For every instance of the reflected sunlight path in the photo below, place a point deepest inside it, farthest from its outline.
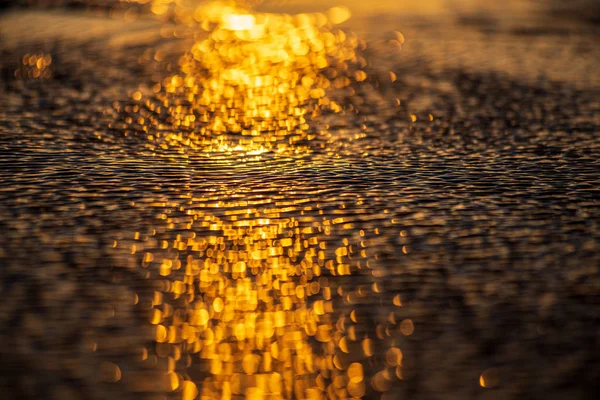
(249, 300)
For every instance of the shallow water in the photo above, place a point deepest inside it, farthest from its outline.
(441, 242)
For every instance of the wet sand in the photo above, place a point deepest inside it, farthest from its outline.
(437, 239)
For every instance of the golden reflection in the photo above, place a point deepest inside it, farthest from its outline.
(110, 372)
(252, 82)
(406, 327)
(35, 66)
(490, 378)
(252, 302)
(244, 306)
(257, 301)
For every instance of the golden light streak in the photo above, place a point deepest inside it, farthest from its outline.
(253, 82)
